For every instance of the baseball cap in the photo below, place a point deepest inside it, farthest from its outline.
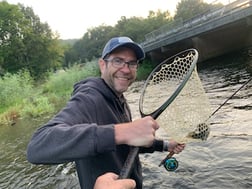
(116, 42)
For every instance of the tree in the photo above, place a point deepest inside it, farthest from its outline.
(43, 51)
(11, 25)
(91, 44)
(187, 9)
(26, 43)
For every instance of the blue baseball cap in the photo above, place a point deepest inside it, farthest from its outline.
(116, 42)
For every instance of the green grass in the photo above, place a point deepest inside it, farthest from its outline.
(61, 83)
(14, 88)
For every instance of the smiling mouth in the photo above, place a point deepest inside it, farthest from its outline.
(123, 78)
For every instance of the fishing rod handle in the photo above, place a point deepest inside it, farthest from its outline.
(128, 165)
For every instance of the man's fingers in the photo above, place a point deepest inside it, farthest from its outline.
(179, 148)
(128, 183)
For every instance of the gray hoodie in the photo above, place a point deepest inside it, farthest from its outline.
(83, 132)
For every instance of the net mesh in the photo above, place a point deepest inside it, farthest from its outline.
(164, 81)
(185, 117)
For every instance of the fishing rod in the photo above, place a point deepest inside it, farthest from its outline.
(244, 84)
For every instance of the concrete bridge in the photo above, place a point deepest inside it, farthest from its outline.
(213, 33)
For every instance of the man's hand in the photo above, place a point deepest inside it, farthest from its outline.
(140, 132)
(175, 147)
(111, 181)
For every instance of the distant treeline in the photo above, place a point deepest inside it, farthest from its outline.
(28, 44)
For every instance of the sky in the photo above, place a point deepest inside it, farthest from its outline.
(71, 19)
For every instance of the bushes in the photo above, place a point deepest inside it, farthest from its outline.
(36, 107)
(20, 98)
(61, 83)
(14, 88)
(144, 70)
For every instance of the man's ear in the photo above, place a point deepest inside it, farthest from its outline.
(102, 65)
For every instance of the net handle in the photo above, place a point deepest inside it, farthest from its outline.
(128, 165)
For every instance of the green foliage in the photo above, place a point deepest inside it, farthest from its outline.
(11, 24)
(187, 9)
(157, 20)
(61, 82)
(144, 70)
(26, 43)
(36, 107)
(90, 46)
(20, 97)
(92, 43)
(14, 88)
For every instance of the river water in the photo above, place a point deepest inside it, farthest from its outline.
(223, 161)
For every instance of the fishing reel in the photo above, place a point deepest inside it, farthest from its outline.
(169, 163)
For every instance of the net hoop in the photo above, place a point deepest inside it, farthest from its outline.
(172, 59)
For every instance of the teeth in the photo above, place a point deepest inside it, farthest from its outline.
(123, 78)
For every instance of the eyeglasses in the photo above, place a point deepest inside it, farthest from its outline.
(120, 63)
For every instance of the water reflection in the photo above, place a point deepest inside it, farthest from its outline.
(223, 161)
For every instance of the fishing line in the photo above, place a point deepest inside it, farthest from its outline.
(244, 84)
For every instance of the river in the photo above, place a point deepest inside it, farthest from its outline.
(223, 161)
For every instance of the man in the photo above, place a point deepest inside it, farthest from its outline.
(95, 128)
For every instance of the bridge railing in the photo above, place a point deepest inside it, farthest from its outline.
(180, 25)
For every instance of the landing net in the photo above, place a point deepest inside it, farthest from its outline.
(185, 118)
(174, 87)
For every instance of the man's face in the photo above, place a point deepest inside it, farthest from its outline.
(119, 79)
